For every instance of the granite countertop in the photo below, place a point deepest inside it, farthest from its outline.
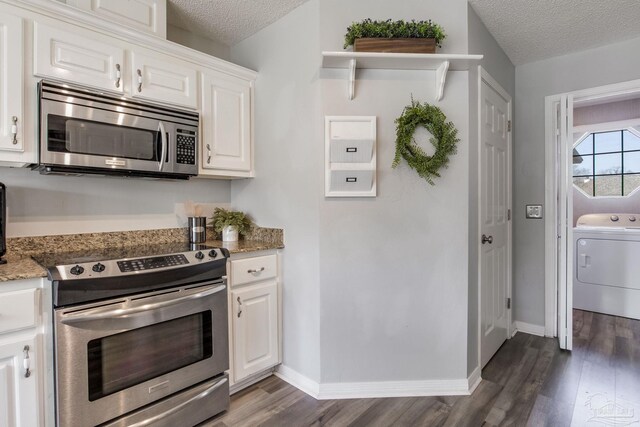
(21, 265)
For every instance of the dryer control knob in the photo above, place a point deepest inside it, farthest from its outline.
(632, 218)
(614, 218)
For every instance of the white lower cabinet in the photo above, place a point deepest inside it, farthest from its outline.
(19, 402)
(254, 318)
(22, 396)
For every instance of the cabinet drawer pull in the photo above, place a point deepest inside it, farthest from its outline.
(26, 362)
(239, 307)
(14, 130)
(139, 80)
(118, 75)
(255, 270)
(208, 154)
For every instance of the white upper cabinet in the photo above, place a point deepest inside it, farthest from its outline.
(159, 77)
(77, 58)
(226, 126)
(144, 15)
(11, 87)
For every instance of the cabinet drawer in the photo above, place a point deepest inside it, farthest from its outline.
(253, 269)
(18, 310)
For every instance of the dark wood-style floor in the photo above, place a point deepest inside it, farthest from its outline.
(529, 382)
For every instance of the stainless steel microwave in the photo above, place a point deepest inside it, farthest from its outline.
(84, 131)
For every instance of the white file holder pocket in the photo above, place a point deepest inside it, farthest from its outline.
(350, 156)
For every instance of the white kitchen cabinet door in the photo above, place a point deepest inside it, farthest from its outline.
(162, 78)
(19, 398)
(255, 329)
(144, 15)
(226, 126)
(11, 86)
(76, 58)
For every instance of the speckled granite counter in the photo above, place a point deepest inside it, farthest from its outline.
(20, 250)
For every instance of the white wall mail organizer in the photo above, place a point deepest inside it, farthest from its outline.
(350, 156)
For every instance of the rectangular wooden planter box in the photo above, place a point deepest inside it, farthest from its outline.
(395, 45)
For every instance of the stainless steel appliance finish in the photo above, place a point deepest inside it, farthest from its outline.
(86, 131)
(141, 340)
(197, 229)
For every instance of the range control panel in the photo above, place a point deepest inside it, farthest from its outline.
(186, 147)
(151, 263)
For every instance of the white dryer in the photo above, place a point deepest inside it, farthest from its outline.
(607, 264)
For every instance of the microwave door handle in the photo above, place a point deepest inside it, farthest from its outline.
(163, 138)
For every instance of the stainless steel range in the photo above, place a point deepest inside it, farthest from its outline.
(140, 336)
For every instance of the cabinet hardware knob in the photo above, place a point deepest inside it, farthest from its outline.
(208, 154)
(139, 80)
(14, 130)
(26, 362)
(239, 307)
(487, 239)
(118, 75)
(255, 270)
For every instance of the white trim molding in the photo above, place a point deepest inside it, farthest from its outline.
(528, 328)
(362, 390)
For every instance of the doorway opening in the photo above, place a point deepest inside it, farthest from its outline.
(592, 191)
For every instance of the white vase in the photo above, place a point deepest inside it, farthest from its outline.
(230, 234)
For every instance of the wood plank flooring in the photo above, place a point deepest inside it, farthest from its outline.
(529, 382)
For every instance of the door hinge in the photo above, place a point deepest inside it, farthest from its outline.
(508, 214)
(508, 303)
(509, 126)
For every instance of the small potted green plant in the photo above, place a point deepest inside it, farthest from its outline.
(230, 223)
(394, 36)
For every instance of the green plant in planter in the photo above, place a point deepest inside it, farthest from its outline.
(224, 218)
(394, 29)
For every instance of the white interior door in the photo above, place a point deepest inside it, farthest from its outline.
(564, 220)
(495, 204)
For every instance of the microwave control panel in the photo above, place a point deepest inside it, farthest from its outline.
(186, 147)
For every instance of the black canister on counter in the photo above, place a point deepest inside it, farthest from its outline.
(197, 229)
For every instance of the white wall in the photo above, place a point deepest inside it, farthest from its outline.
(198, 42)
(370, 284)
(287, 189)
(498, 65)
(595, 67)
(48, 204)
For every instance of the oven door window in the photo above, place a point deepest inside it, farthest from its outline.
(120, 361)
(78, 136)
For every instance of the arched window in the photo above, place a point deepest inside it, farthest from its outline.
(607, 163)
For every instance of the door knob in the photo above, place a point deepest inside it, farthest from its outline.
(487, 239)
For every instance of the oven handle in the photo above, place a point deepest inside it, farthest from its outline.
(179, 407)
(125, 312)
(163, 138)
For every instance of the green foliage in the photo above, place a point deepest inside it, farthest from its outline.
(223, 218)
(393, 29)
(444, 139)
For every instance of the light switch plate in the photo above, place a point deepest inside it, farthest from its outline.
(534, 211)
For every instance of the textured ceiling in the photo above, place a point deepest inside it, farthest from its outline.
(227, 21)
(529, 30)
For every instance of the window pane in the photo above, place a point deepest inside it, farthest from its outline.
(584, 168)
(608, 141)
(631, 142)
(631, 182)
(607, 164)
(584, 184)
(632, 162)
(609, 185)
(586, 146)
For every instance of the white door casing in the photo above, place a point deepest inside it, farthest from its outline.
(495, 223)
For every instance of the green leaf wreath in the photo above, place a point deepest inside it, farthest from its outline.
(444, 139)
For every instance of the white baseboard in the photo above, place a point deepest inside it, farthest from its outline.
(298, 380)
(379, 389)
(474, 379)
(528, 328)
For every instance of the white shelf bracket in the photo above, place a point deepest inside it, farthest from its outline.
(352, 79)
(441, 78)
